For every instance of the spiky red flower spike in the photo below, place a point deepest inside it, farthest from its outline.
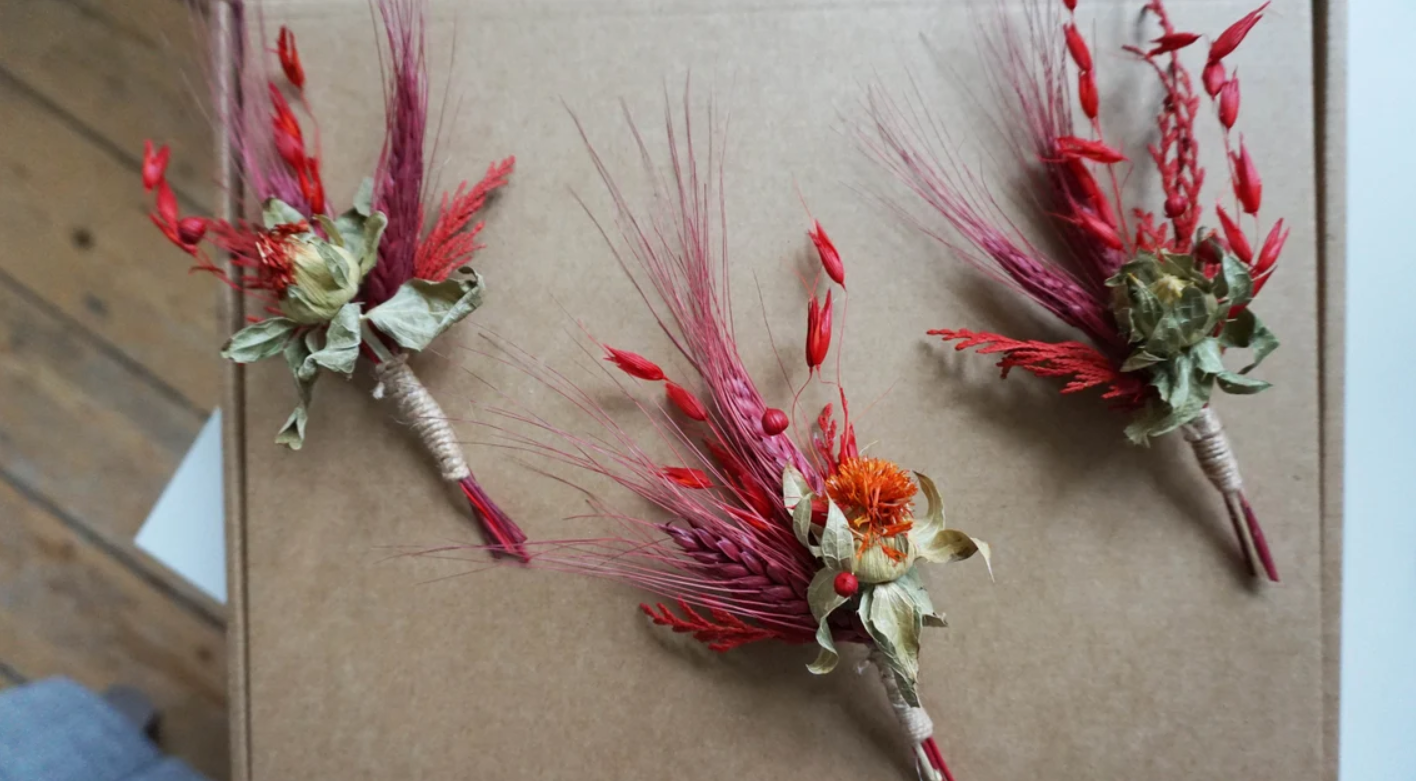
(1160, 297)
(755, 534)
(312, 274)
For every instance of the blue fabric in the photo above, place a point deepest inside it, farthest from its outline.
(56, 730)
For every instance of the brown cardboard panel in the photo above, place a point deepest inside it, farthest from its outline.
(1330, 38)
(1118, 641)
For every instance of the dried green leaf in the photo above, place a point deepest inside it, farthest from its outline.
(1194, 313)
(913, 584)
(1140, 359)
(364, 197)
(421, 310)
(360, 235)
(946, 545)
(368, 255)
(1207, 356)
(1239, 330)
(342, 337)
(275, 212)
(801, 524)
(1238, 285)
(292, 434)
(259, 340)
(1146, 309)
(1138, 430)
(822, 597)
(1240, 384)
(794, 487)
(1262, 341)
(1181, 370)
(895, 623)
(821, 594)
(331, 230)
(827, 657)
(297, 357)
(337, 264)
(933, 519)
(1179, 416)
(837, 542)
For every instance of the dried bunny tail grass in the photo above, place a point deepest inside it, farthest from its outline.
(913, 146)
(678, 249)
(398, 178)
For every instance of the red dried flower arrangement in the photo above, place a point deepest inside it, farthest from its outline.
(375, 280)
(1159, 298)
(763, 536)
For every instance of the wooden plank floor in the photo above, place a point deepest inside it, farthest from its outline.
(107, 357)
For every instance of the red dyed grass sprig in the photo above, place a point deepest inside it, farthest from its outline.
(452, 240)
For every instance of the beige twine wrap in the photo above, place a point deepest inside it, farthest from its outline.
(1211, 447)
(418, 407)
(914, 721)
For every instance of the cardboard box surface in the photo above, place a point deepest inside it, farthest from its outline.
(1119, 641)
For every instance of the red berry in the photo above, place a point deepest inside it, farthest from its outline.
(846, 584)
(191, 229)
(774, 422)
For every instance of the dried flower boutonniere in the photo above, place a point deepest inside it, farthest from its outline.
(375, 279)
(764, 536)
(1160, 299)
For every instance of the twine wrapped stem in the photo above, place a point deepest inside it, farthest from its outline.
(416, 406)
(1211, 447)
(916, 724)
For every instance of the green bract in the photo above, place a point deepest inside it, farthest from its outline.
(322, 326)
(1179, 322)
(892, 603)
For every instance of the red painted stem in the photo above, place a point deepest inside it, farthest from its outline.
(1260, 543)
(498, 525)
(1240, 537)
(936, 758)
